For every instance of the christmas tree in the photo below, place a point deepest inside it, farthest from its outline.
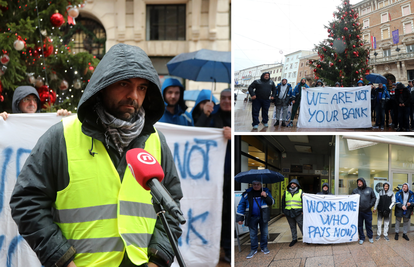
(35, 50)
(342, 57)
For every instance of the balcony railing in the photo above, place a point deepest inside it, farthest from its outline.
(388, 59)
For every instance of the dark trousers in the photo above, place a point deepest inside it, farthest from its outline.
(292, 224)
(411, 115)
(258, 104)
(294, 109)
(367, 218)
(403, 117)
(379, 112)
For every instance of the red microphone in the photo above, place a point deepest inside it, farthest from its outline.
(148, 173)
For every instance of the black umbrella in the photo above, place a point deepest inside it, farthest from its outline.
(264, 175)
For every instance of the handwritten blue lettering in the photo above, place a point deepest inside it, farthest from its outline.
(316, 100)
(191, 221)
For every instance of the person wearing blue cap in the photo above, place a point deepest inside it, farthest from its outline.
(360, 83)
(175, 107)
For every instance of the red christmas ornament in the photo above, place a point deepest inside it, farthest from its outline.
(331, 44)
(57, 19)
(357, 36)
(345, 28)
(1, 91)
(318, 66)
(356, 72)
(345, 3)
(324, 49)
(353, 46)
(310, 61)
(46, 95)
(352, 10)
(357, 23)
(329, 30)
(353, 24)
(47, 47)
(339, 61)
(4, 59)
(314, 70)
(331, 64)
(342, 18)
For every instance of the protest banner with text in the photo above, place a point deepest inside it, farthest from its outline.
(335, 107)
(330, 219)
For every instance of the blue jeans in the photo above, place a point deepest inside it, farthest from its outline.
(367, 217)
(254, 222)
(264, 104)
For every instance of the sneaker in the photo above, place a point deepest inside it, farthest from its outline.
(386, 238)
(265, 250)
(266, 125)
(251, 254)
(371, 240)
(293, 243)
(375, 127)
(283, 123)
(396, 236)
(361, 242)
(290, 124)
(255, 126)
(276, 123)
(377, 238)
(406, 237)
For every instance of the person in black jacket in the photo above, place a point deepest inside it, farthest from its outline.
(402, 99)
(261, 92)
(81, 162)
(366, 202)
(325, 190)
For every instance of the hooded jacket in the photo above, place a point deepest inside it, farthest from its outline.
(324, 192)
(402, 95)
(244, 211)
(367, 196)
(180, 116)
(20, 93)
(319, 81)
(292, 213)
(46, 172)
(264, 88)
(382, 194)
(287, 97)
(297, 92)
(204, 95)
(380, 96)
(399, 198)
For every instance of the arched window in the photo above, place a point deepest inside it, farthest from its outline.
(87, 35)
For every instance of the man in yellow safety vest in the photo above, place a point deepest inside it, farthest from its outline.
(292, 208)
(75, 201)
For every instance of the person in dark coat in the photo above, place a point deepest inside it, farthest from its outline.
(404, 204)
(402, 99)
(297, 92)
(219, 116)
(380, 97)
(202, 98)
(325, 190)
(116, 113)
(261, 91)
(391, 108)
(367, 200)
(384, 204)
(254, 210)
(319, 83)
(283, 98)
(372, 101)
(292, 208)
(411, 90)
(26, 100)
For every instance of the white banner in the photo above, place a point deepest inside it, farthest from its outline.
(330, 219)
(335, 107)
(199, 157)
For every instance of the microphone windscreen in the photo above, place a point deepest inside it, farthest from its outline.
(143, 166)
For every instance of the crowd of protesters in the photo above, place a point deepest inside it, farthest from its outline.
(391, 107)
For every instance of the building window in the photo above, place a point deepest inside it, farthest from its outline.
(365, 24)
(300, 74)
(406, 10)
(294, 74)
(384, 17)
(279, 78)
(385, 34)
(289, 74)
(410, 48)
(366, 38)
(365, 11)
(291, 65)
(287, 59)
(301, 64)
(296, 65)
(166, 22)
(305, 72)
(408, 27)
(382, 4)
(387, 53)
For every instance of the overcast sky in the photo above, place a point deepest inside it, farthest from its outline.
(263, 31)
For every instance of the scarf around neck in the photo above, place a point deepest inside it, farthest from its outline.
(122, 132)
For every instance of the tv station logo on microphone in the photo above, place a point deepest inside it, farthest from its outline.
(146, 158)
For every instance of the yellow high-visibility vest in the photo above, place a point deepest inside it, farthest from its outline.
(293, 202)
(100, 216)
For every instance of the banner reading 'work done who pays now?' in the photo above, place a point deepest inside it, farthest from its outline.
(335, 107)
(330, 219)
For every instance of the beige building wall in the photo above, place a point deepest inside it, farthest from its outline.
(207, 26)
(379, 19)
(305, 71)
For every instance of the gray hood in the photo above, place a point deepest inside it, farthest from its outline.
(294, 181)
(119, 63)
(20, 93)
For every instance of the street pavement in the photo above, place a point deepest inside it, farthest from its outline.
(243, 121)
(380, 253)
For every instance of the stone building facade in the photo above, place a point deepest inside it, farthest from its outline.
(379, 19)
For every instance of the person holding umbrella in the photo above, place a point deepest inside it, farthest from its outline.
(292, 208)
(254, 210)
